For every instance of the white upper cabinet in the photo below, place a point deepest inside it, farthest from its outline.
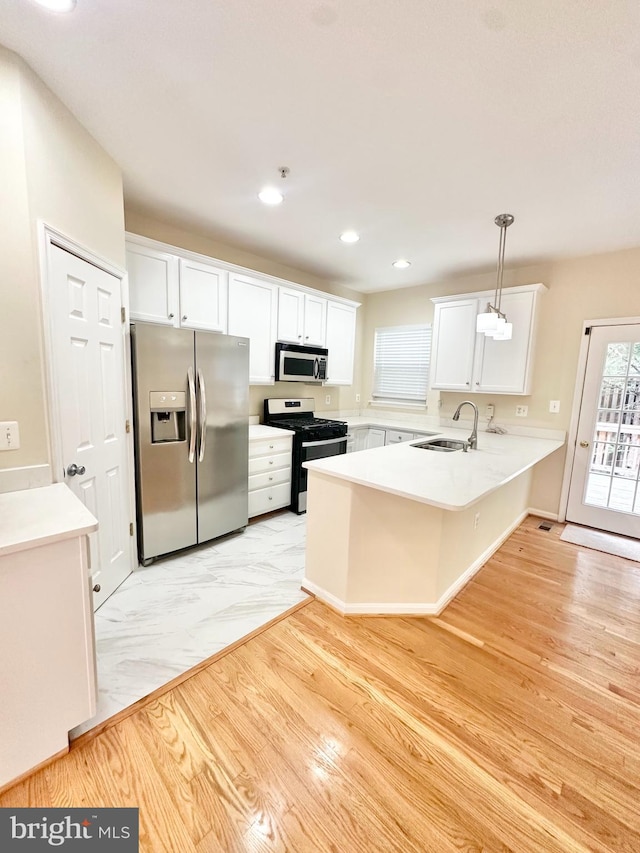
(153, 285)
(203, 296)
(454, 341)
(315, 320)
(302, 317)
(176, 291)
(252, 314)
(290, 315)
(341, 339)
(176, 287)
(463, 360)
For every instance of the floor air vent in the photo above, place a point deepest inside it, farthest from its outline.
(545, 525)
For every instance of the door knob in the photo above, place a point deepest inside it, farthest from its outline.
(74, 469)
(96, 588)
(584, 444)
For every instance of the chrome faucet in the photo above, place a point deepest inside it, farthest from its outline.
(472, 441)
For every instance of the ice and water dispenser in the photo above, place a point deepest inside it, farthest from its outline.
(168, 416)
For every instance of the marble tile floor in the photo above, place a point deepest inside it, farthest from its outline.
(175, 613)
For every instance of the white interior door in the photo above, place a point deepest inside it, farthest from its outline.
(89, 387)
(604, 490)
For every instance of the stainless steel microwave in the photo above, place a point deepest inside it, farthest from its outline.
(295, 363)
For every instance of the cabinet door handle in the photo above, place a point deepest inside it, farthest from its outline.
(184, 316)
(171, 316)
(271, 462)
(478, 382)
(270, 498)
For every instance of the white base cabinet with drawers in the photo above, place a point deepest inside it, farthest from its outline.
(269, 472)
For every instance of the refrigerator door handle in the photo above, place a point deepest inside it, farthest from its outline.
(202, 396)
(192, 415)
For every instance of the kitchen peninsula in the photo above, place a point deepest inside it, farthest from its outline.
(399, 529)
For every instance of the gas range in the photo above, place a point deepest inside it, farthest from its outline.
(314, 438)
(297, 414)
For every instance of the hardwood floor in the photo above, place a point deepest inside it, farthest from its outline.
(510, 723)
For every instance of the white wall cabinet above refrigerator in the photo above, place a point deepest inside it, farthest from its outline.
(302, 318)
(174, 291)
(463, 360)
(203, 296)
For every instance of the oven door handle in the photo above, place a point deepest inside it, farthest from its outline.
(326, 441)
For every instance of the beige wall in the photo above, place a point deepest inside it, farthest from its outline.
(138, 222)
(585, 288)
(50, 169)
(21, 397)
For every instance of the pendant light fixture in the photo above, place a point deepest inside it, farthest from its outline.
(494, 322)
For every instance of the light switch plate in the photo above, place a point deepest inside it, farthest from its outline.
(522, 411)
(9, 435)
(554, 406)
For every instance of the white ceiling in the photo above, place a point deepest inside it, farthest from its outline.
(414, 122)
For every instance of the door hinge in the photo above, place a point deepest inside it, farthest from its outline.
(131, 529)
(587, 331)
(127, 426)
(123, 314)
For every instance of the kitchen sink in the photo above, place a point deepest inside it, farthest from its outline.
(444, 445)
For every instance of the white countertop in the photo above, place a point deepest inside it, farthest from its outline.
(34, 517)
(452, 481)
(257, 431)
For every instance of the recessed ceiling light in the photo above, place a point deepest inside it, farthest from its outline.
(270, 195)
(349, 237)
(401, 264)
(57, 5)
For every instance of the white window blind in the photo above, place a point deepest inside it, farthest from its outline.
(401, 363)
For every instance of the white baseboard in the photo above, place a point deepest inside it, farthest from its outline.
(27, 477)
(550, 516)
(430, 608)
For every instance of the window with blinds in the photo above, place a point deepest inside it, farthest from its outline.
(401, 364)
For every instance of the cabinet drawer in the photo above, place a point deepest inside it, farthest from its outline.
(261, 464)
(269, 446)
(396, 436)
(265, 500)
(269, 478)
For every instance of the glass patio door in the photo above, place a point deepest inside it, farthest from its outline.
(605, 490)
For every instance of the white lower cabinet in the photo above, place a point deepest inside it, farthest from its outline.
(395, 436)
(375, 438)
(269, 474)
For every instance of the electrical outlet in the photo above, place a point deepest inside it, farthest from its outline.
(490, 411)
(357, 398)
(522, 411)
(554, 406)
(9, 435)
(476, 520)
(327, 400)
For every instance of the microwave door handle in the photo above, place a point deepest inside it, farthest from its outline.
(192, 415)
(202, 397)
(316, 368)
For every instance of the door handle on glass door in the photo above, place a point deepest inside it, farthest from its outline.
(192, 415)
(202, 396)
(584, 444)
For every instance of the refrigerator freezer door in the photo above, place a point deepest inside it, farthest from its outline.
(163, 359)
(222, 363)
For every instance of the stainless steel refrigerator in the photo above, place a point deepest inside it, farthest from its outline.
(191, 405)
